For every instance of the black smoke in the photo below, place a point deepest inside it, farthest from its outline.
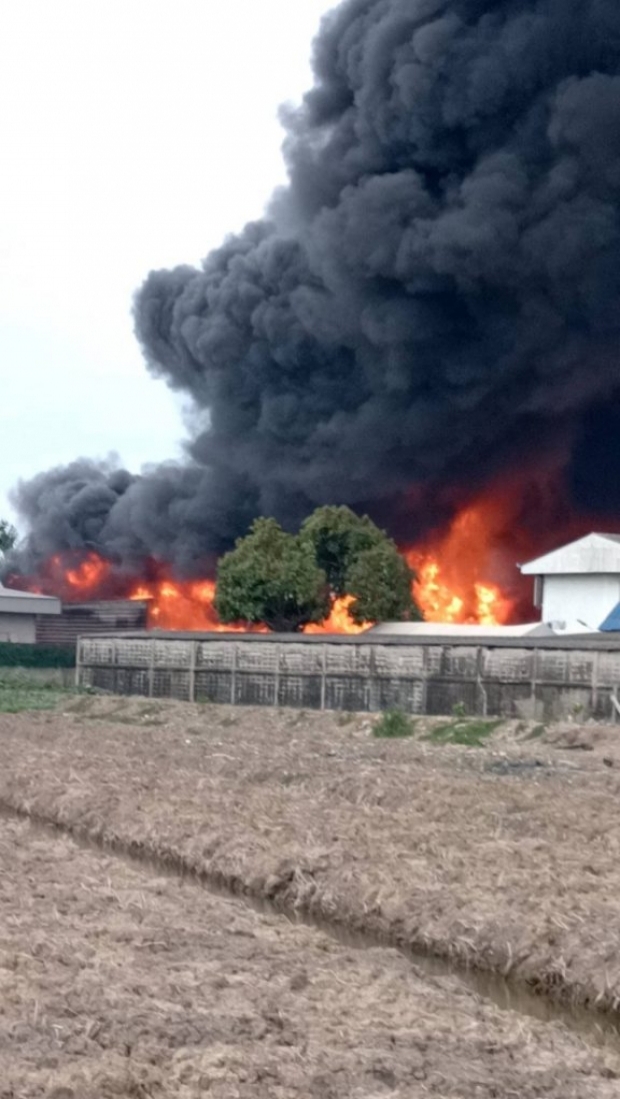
(433, 298)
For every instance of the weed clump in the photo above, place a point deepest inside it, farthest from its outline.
(393, 723)
(472, 733)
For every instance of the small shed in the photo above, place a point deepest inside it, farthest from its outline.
(577, 586)
(19, 612)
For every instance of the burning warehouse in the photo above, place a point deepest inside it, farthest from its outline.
(424, 327)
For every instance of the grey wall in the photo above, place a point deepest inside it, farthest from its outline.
(18, 628)
(530, 680)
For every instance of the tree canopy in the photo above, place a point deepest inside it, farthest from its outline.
(338, 536)
(360, 560)
(380, 580)
(8, 536)
(287, 581)
(271, 577)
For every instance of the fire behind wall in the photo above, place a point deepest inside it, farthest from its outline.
(427, 317)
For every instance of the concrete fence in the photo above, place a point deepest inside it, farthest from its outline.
(539, 679)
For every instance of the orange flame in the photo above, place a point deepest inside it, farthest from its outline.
(453, 576)
(184, 605)
(188, 605)
(466, 573)
(339, 620)
(90, 574)
(172, 604)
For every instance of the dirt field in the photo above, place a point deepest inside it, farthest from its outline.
(118, 982)
(506, 855)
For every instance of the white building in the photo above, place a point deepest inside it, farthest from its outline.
(19, 611)
(578, 585)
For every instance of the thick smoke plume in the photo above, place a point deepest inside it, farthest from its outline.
(432, 300)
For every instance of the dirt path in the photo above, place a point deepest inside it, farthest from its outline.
(118, 982)
(507, 856)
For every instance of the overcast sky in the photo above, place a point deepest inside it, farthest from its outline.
(134, 134)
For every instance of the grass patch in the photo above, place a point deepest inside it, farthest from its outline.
(472, 733)
(23, 689)
(17, 700)
(36, 679)
(393, 723)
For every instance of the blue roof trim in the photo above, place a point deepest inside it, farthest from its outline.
(612, 622)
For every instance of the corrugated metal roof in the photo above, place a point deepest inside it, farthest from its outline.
(596, 553)
(452, 629)
(26, 602)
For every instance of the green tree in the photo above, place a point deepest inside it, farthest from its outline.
(271, 577)
(359, 559)
(380, 580)
(338, 537)
(8, 536)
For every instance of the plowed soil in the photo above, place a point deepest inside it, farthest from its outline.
(118, 980)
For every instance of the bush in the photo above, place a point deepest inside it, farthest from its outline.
(394, 723)
(36, 656)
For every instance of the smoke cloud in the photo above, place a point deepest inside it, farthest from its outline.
(434, 297)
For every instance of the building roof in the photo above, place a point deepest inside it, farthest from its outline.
(596, 553)
(26, 602)
(455, 630)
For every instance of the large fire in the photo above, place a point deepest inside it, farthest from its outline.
(188, 605)
(453, 574)
(465, 573)
(173, 604)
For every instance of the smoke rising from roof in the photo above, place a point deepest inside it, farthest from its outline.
(432, 299)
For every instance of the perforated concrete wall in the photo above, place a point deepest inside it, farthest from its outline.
(529, 680)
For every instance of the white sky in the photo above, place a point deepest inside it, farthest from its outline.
(134, 134)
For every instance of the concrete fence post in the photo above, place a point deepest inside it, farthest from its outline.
(323, 674)
(78, 662)
(483, 705)
(424, 684)
(594, 684)
(276, 686)
(233, 676)
(192, 671)
(151, 672)
(534, 682)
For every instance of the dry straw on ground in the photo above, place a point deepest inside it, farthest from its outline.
(118, 983)
(505, 856)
